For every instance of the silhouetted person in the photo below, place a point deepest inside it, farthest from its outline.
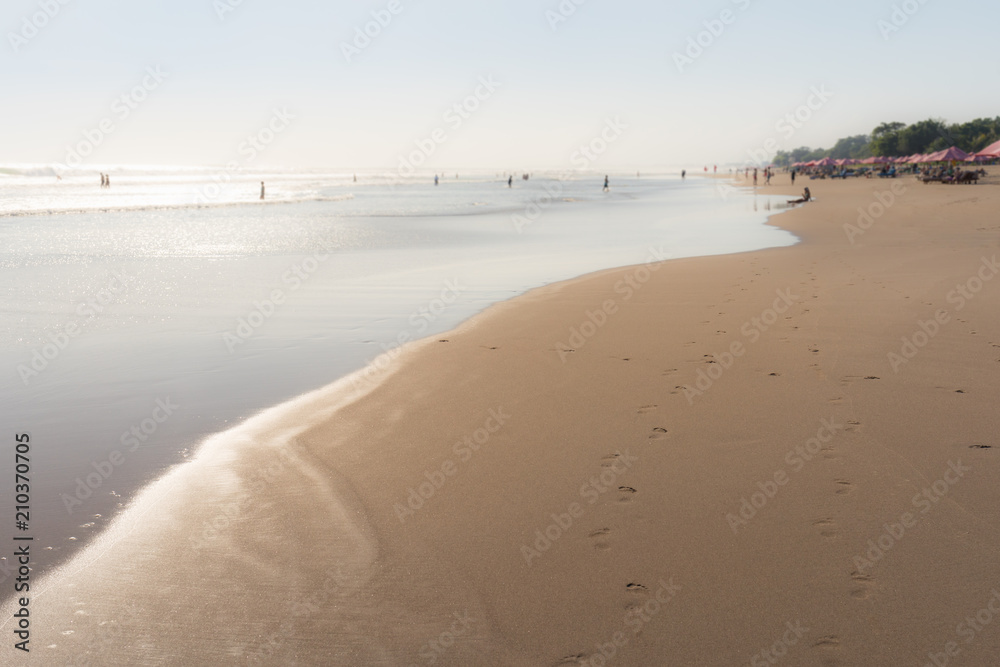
(262, 190)
(806, 196)
(606, 185)
(510, 181)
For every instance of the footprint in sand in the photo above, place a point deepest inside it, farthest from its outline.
(669, 371)
(862, 585)
(599, 538)
(627, 493)
(980, 446)
(646, 409)
(636, 588)
(827, 527)
(610, 460)
(575, 659)
(836, 401)
(852, 425)
(843, 487)
(658, 433)
(828, 644)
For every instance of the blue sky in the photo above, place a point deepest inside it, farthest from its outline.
(557, 88)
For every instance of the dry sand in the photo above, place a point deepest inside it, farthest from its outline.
(580, 499)
(664, 517)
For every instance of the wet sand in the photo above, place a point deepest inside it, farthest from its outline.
(689, 462)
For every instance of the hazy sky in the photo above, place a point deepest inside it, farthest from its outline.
(559, 82)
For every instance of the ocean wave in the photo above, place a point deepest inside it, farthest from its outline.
(167, 207)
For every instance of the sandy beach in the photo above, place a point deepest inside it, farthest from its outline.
(783, 456)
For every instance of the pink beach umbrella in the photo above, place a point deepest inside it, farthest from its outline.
(993, 150)
(825, 162)
(950, 154)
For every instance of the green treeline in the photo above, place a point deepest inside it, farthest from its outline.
(899, 139)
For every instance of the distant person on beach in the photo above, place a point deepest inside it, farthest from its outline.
(683, 174)
(435, 179)
(806, 196)
(107, 180)
(102, 179)
(606, 185)
(793, 177)
(715, 169)
(767, 176)
(755, 177)
(262, 190)
(510, 181)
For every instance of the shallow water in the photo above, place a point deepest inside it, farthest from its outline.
(152, 324)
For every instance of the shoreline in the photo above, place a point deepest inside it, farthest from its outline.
(307, 343)
(676, 465)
